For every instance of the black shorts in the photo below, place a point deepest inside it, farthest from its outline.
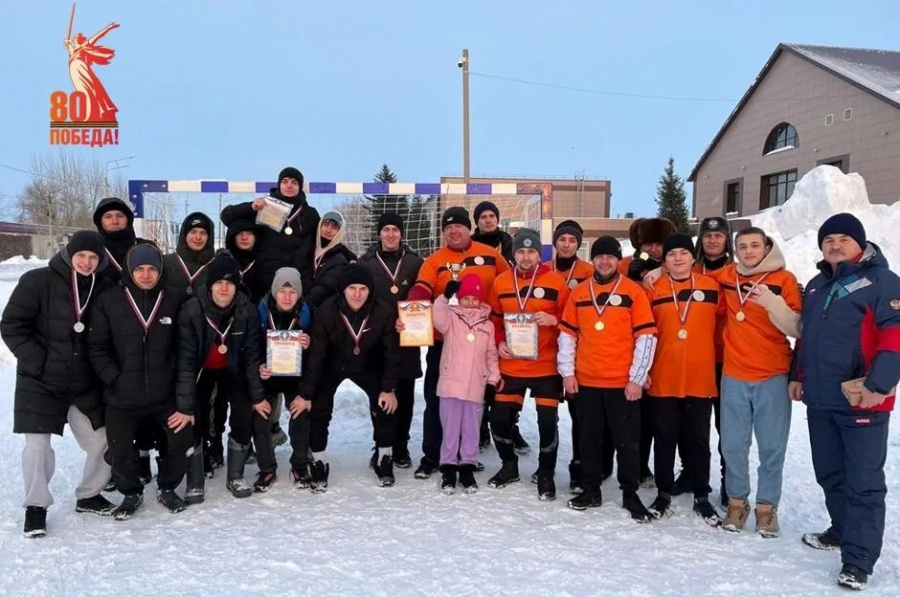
(546, 391)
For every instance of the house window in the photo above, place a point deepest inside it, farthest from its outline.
(829, 119)
(776, 189)
(848, 113)
(841, 161)
(783, 136)
(733, 192)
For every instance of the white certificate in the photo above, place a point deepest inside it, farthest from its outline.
(284, 355)
(274, 214)
(521, 335)
(418, 329)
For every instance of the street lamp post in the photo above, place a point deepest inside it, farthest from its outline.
(117, 167)
(464, 65)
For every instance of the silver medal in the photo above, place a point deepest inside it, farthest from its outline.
(288, 230)
(79, 327)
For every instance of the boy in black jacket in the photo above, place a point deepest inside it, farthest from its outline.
(353, 337)
(219, 342)
(132, 346)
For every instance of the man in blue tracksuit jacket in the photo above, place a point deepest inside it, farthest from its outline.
(850, 329)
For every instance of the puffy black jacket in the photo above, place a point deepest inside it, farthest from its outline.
(410, 262)
(53, 370)
(247, 259)
(196, 338)
(279, 249)
(331, 345)
(137, 369)
(327, 276)
(116, 243)
(193, 260)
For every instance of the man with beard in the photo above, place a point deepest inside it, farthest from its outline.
(293, 245)
(44, 325)
(186, 267)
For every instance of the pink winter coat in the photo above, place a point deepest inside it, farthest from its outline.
(466, 367)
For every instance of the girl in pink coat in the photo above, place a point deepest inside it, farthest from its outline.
(468, 364)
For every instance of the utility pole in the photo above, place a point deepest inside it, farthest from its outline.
(464, 65)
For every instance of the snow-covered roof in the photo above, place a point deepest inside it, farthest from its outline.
(876, 72)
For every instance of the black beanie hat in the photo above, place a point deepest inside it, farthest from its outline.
(85, 240)
(223, 267)
(486, 206)
(355, 274)
(390, 219)
(679, 240)
(144, 254)
(456, 215)
(569, 227)
(606, 245)
(198, 220)
(291, 172)
(843, 223)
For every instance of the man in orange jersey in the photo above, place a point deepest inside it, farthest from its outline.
(714, 250)
(567, 240)
(685, 307)
(526, 304)
(605, 353)
(459, 255)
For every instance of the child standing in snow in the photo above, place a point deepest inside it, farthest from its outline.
(468, 364)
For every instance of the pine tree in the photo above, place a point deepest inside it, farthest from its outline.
(670, 198)
(380, 204)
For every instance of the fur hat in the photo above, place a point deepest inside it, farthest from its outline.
(651, 231)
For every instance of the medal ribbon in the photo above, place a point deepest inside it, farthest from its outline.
(737, 286)
(247, 269)
(519, 300)
(571, 270)
(79, 309)
(612, 293)
(113, 260)
(222, 335)
(687, 305)
(396, 273)
(289, 221)
(362, 329)
(145, 323)
(187, 272)
(272, 323)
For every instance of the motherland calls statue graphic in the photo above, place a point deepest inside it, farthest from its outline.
(84, 54)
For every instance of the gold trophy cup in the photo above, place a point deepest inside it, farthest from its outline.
(455, 269)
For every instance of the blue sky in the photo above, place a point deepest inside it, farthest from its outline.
(236, 90)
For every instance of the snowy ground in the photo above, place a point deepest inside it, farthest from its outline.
(358, 539)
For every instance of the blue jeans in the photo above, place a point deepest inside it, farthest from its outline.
(764, 409)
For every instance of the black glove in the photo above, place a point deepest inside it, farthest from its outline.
(636, 268)
(451, 289)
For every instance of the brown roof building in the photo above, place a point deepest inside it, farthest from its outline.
(810, 105)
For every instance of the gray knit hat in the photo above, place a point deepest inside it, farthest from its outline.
(526, 238)
(287, 276)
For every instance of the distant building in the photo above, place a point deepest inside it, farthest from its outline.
(810, 105)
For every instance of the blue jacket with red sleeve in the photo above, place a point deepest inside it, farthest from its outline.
(851, 328)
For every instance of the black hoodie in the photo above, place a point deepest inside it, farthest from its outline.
(247, 259)
(117, 243)
(193, 260)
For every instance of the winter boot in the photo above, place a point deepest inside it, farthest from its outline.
(129, 506)
(385, 471)
(853, 577)
(196, 479)
(426, 468)
(264, 481)
(590, 497)
(546, 485)
(236, 484)
(683, 484)
(706, 511)
(661, 506)
(467, 478)
(144, 473)
(576, 477)
(448, 478)
(519, 443)
(827, 541)
(95, 505)
(736, 518)
(402, 458)
(170, 500)
(767, 521)
(319, 481)
(632, 502)
(35, 521)
(302, 477)
(509, 473)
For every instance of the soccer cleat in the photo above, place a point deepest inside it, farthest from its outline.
(95, 505)
(35, 522)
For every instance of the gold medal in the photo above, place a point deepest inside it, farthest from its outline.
(470, 337)
(740, 316)
(599, 326)
(394, 289)
(682, 334)
(222, 349)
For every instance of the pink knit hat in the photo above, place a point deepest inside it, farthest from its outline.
(470, 286)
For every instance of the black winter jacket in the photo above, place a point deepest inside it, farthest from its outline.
(498, 239)
(53, 370)
(247, 259)
(196, 338)
(410, 262)
(331, 345)
(279, 249)
(117, 243)
(137, 369)
(193, 260)
(327, 276)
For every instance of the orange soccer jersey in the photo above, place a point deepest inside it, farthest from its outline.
(754, 348)
(605, 346)
(579, 272)
(699, 268)
(685, 361)
(549, 293)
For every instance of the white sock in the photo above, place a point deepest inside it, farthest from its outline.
(317, 456)
(382, 452)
